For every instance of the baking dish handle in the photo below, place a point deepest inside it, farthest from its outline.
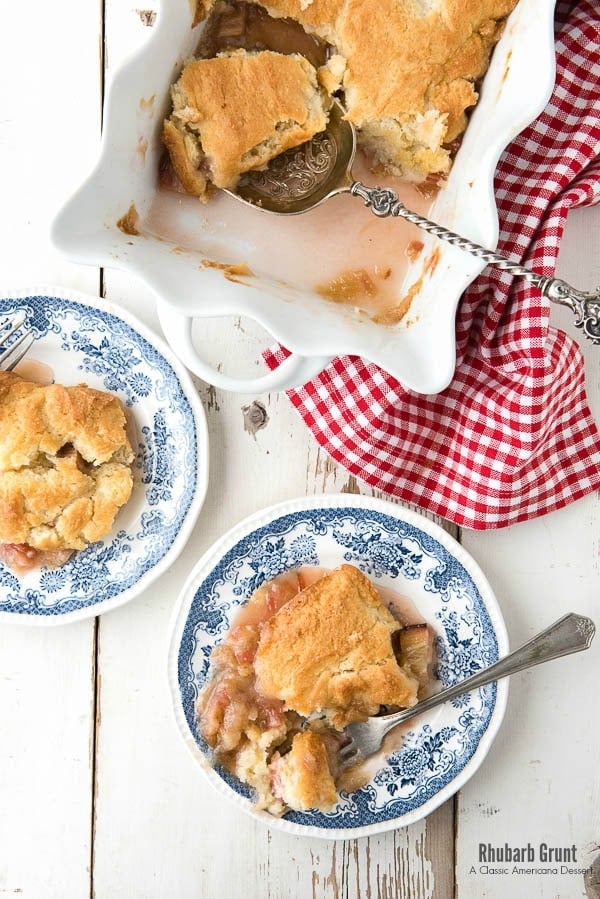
(293, 371)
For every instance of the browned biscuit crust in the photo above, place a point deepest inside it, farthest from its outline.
(329, 650)
(412, 70)
(235, 112)
(65, 463)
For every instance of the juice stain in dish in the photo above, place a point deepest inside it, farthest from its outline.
(32, 370)
(327, 250)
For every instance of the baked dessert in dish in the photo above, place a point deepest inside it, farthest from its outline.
(311, 651)
(407, 73)
(237, 111)
(65, 469)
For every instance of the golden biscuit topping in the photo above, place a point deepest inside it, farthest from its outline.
(65, 464)
(329, 650)
(218, 130)
(408, 74)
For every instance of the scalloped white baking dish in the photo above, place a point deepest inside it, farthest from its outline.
(177, 234)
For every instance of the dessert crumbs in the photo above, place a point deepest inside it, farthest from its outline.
(128, 223)
(232, 271)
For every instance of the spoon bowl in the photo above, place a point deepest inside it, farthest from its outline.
(306, 176)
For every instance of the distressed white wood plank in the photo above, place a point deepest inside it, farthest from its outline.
(49, 59)
(46, 707)
(541, 781)
(49, 132)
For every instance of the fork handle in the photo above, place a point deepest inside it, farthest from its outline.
(585, 306)
(571, 633)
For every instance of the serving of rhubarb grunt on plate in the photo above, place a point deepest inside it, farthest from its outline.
(103, 459)
(322, 611)
(311, 651)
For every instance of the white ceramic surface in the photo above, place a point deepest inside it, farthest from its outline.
(176, 234)
(397, 549)
(86, 340)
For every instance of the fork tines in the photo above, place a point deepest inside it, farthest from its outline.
(11, 354)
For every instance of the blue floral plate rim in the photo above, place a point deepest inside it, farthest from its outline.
(217, 585)
(112, 349)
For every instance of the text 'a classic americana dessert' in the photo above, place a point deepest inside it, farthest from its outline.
(65, 470)
(407, 73)
(310, 652)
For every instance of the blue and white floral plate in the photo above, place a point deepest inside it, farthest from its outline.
(397, 549)
(84, 340)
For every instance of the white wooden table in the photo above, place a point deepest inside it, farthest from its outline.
(98, 795)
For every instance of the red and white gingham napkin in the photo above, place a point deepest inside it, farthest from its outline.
(512, 437)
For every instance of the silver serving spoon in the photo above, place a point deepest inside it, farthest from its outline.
(306, 176)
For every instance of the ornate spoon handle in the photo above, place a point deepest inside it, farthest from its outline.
(585, 306)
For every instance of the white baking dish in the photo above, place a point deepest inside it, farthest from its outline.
(172, 243)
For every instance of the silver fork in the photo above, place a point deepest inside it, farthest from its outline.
(571, 633)
(11, 353)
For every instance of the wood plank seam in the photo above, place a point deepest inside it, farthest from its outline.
(97, 620)
(95, 730)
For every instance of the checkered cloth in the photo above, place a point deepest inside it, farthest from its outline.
(512, 437)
